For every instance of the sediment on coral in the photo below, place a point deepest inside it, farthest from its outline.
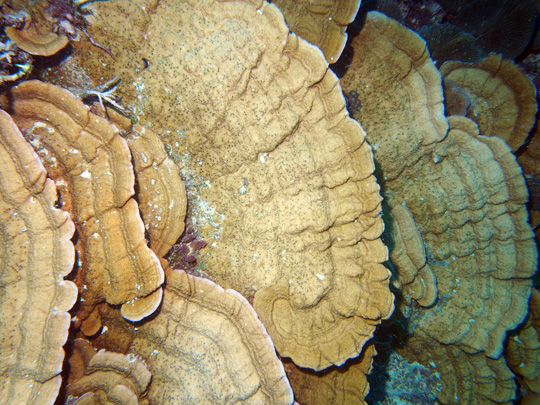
(282, 176)
(402, 100)
(284, 207)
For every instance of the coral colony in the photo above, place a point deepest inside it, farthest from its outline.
(210, 214)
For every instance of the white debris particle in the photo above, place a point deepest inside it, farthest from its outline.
(243, 190)
(86, 174)
(39, 124)
(263, 157)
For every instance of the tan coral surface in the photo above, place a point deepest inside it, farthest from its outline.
(466, 195)
(38, 36)
(207, 346)
(468, 378)
(87, 153)
(280, 177)
(111, 378)
(322, 22)
(408, 254)
(33, 41)
(523, 350)
(530, 158)
(400, 91)
(345, 385)
(35, 255)
(469, 204)
(468, 199)
(503, 98)
(162, 194)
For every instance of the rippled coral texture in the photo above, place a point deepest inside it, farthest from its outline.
(207, 346)
(400, 89)
(474, 225)
(345, 385)
(466, 196)
(503, 98)
(111, 378)
(86, 152)
(280, 177)
(523, 350)
(38, 36)
(35, 255)
(322, 22)
(162, 197)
